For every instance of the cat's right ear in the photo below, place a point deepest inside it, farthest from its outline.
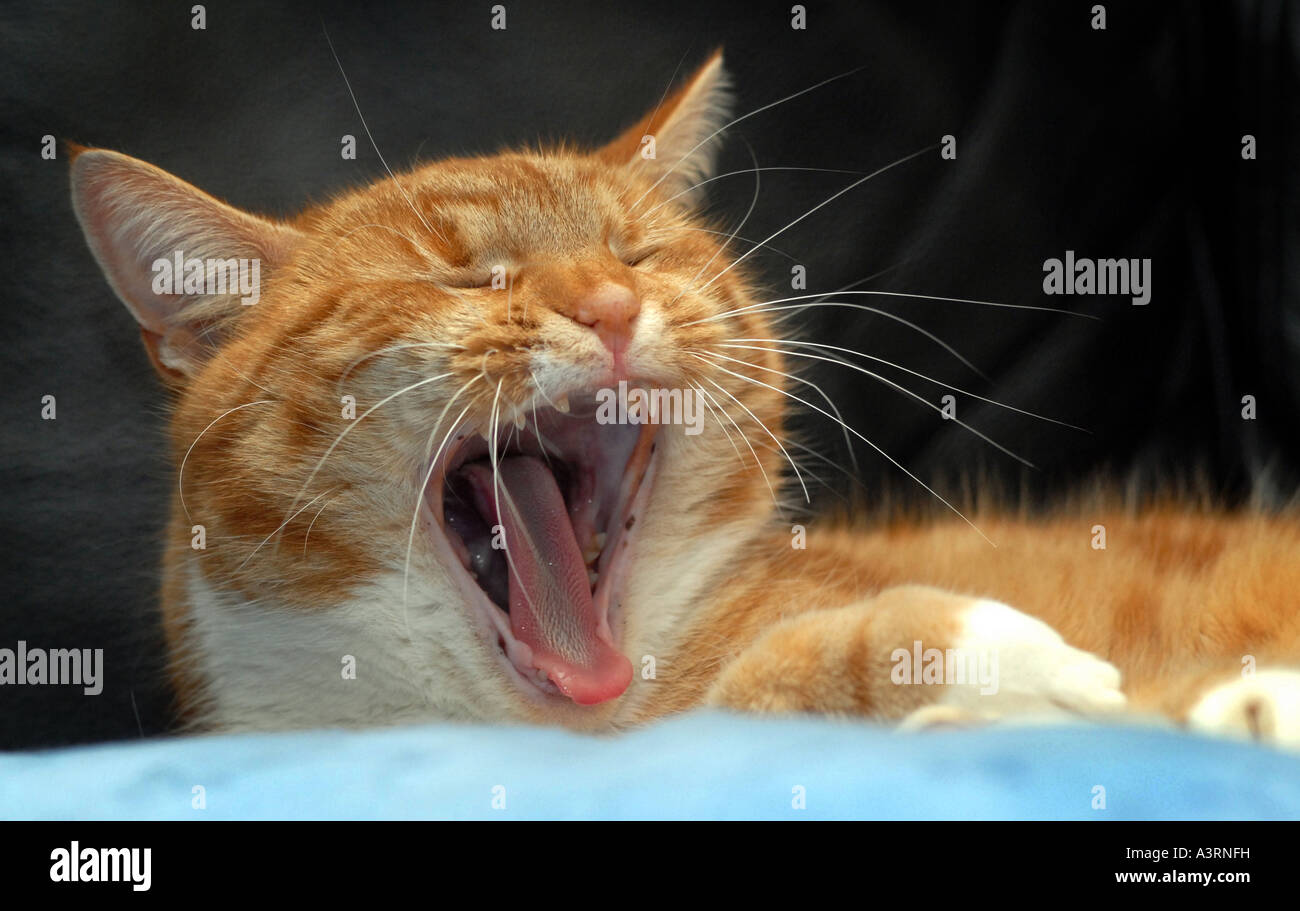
(143, 225)
(677, 142)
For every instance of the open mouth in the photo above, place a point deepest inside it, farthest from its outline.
(538, 536)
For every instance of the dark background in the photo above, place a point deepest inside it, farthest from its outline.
(1117, 143)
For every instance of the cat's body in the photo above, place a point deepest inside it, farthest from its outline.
(328, 558)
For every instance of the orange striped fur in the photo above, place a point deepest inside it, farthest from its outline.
(305, 511)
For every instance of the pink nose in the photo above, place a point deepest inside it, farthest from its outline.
(609, 309)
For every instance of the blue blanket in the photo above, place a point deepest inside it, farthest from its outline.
(704, 765)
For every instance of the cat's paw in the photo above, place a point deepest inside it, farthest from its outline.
(1034, 672)
(1264, 707)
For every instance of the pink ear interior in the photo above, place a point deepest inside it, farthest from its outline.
(134, 214)
(681, 125)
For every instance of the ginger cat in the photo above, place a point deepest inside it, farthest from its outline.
(396, 499)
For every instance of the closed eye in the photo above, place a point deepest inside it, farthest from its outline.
(628, 252)
(640, 256)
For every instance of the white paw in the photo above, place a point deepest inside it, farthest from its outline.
(1265, 707)
(1027, 669)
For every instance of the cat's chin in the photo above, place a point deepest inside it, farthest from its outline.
(538, 532)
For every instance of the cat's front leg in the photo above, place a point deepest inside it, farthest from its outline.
(918, 653)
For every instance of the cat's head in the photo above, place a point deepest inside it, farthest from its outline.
(334, 554)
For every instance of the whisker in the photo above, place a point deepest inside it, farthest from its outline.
(881, 360)
(798, 379)
(807, 498)
(825, 202)
(180, 475)
(306, 537)
(482, 370)
(709, 180)
(664, 97)
(718, 252)
(891, 316)
(895, 462)
(351, 424)
(747, 240)
(861, 281)
(743, 436)
(537, 428)
(829, 461)
(393, 350)
(727, 126)
(281, 527)
(807, 507)
(411, 240)
(704, 392)
(897, 386)
(496, 490)
(929, 297)
(373, 145)
(714, 407)
(433, 464)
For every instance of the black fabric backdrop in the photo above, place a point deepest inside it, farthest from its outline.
(1116, 143)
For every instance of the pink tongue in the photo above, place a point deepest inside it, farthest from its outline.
(551, 609)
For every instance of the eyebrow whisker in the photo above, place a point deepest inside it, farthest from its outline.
(373, 144)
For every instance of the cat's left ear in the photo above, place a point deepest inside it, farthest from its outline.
(676, 140)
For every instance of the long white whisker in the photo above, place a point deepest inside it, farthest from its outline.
(726, 126)
(537, 429)
(281, 527)
(662, 98)
(825, 202)
(928, 297)
(704, 392)
(757, 460)
(891, 316)
(723, 389)
(889, 382)
(433, 464)
(807, 507)
(798, 379)
(496, 491)
(831, 462)
(742, 239)
(709, 180)
(373, 145)
(881, 360)
(180, 475)
(392, 350)
(351, 424)
(408, 238)
(306, 537)
(718, 252)
(895, 462)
